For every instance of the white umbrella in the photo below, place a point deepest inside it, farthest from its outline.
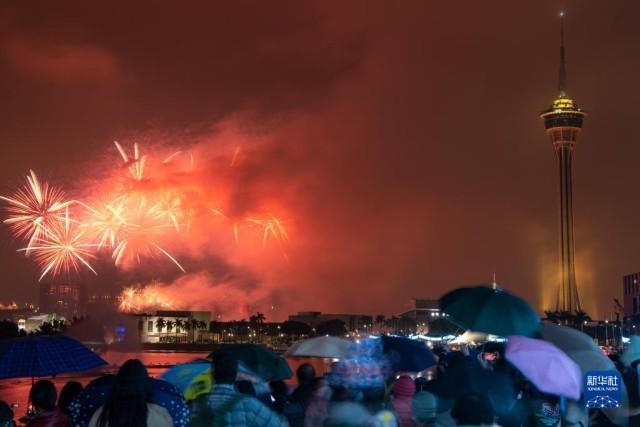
(325, 346)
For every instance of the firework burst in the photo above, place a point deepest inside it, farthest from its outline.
(62, 248)
(153, 201)
(34, 208)
(106, 221)
(138, 238)
(140, 299)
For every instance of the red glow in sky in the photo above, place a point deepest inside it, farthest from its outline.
(402, 145)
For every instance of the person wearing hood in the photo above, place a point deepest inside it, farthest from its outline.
(424, 408)
(402, 400)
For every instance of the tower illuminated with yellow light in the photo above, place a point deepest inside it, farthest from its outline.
(563, 122)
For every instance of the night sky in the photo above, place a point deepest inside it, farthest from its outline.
(403, 138)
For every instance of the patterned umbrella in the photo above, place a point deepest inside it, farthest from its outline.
(194, 378)
(45, 355)
(96, 392)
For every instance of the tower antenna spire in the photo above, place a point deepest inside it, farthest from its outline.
(562, 77)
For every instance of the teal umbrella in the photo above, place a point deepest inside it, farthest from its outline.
(492, 311)
(259, 359)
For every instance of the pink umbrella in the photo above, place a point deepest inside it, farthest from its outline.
(546, 366)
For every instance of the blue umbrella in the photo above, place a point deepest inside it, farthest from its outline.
(45, 355)
(406, 354)
(95, 394)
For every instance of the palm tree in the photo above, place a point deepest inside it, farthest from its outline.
(160, 323)
(195, 324)
(201, 325)
(581, 316)
(170, 325)
(187, 328)
(179, 325)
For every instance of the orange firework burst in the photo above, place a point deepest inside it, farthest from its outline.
(34, 208)
(169, 207)
(140, 299)
(106, 222)
(61, 248)
(138, 236)
(153, 200)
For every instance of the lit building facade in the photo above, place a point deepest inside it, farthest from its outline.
(172, 326)
(631, 299)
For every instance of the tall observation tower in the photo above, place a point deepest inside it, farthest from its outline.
(563, 122)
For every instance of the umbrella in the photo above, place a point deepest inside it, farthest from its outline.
(406, 354)
(546, 366)
(95, 394)
(582, 350)
(632, 352)
(324, 346)
(45, 355)
(567, 339)
(493, 311)
(259, 359)
(194, 378)
(577, 345)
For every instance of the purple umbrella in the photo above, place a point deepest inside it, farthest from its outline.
(546, 366)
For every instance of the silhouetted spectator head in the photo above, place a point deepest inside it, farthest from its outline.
(305, 373)
(424, 407)
(225, 367)
(132, 379)
(472, 409)
(6, 414)
(70, 391)
(127, 403)
(245, 387)
(43, 395)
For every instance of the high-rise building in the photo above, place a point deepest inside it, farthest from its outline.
(63, 299)
(631, 301)
(563, 122)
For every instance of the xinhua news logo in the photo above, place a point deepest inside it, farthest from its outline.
(602, 389)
